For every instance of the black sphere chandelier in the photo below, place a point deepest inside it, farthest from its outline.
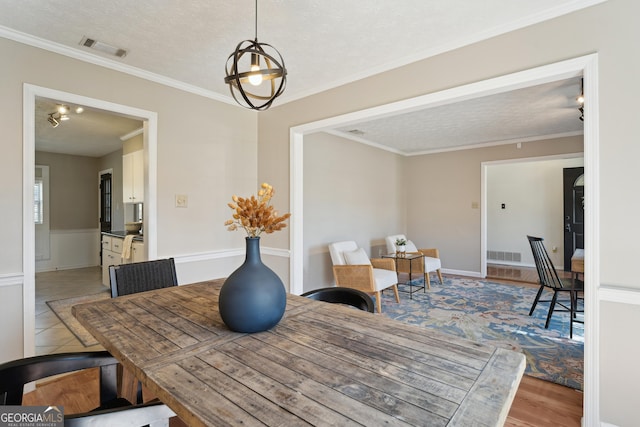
(264, 78)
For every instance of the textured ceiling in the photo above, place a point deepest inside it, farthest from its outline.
(325, 43)
(92, 133)
(535, 112)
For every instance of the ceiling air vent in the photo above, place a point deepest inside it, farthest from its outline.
(103, 47)
(355, 132)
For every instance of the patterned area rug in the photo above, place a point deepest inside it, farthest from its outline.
(498, 314)
(62, 309)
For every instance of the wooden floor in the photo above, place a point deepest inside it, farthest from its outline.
(517, 274)
(538, 402)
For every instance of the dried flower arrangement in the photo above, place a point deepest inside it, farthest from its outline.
(256, 214)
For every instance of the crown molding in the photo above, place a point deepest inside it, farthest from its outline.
(552, 13)
(90, 58)
(365, 141)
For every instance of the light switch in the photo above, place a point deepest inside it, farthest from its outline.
(181, 200)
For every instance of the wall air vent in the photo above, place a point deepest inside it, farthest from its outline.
(103, 47)
(504, 256)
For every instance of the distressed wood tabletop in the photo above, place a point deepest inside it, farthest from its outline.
(323, 364)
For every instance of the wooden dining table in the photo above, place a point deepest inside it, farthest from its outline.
(323, 364)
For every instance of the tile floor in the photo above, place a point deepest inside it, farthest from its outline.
(52, 336)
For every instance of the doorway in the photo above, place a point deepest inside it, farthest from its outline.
(573, 197)
(105, 201)
(587, 66)
(149, 119)
(512, 213)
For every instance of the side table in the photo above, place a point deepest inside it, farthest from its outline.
(411, 257)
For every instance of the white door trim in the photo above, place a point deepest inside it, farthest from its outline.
(150, 120)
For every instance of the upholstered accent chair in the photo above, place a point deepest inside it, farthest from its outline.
(352, 268)
(431, 259)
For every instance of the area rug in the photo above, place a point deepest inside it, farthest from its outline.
(62, 309)
(498, 314)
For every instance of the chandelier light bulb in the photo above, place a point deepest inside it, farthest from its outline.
(63, 109)
(255, 78)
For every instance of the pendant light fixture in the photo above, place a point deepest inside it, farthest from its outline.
(264, 76)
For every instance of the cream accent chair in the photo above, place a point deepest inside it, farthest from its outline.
(431, 258)
(352, 268)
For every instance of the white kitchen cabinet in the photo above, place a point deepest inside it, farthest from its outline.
(137, 252)
(133, 177)
(112, 254)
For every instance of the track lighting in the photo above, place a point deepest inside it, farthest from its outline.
(53, 120)
(62, 114)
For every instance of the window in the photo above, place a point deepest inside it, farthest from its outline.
(38, 201)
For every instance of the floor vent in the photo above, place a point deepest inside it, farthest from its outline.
(504, 256)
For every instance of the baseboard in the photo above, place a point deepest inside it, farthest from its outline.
(65, 267)
(510, 264)
(476, 274)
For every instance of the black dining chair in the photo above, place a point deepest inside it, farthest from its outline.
(548, 278)
(112, 410)
(143, 276)
(340, 295)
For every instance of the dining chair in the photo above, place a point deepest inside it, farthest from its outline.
(352, 268)
(549, 279)
(143, 276)
(112, 410)
(431, 259)
(341, 295)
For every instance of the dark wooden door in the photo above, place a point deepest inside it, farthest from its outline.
(573, 185)
(105, 202)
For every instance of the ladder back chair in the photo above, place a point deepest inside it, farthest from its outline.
(549, 279)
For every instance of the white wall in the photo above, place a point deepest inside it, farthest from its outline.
(72, 249)
(351, 192)
(609, 29)
(446, 188)
(206, 150)
(533, 196)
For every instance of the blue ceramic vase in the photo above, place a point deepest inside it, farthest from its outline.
(253, 298)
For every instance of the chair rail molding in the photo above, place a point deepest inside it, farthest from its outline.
(617, 294)
(11, 279)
